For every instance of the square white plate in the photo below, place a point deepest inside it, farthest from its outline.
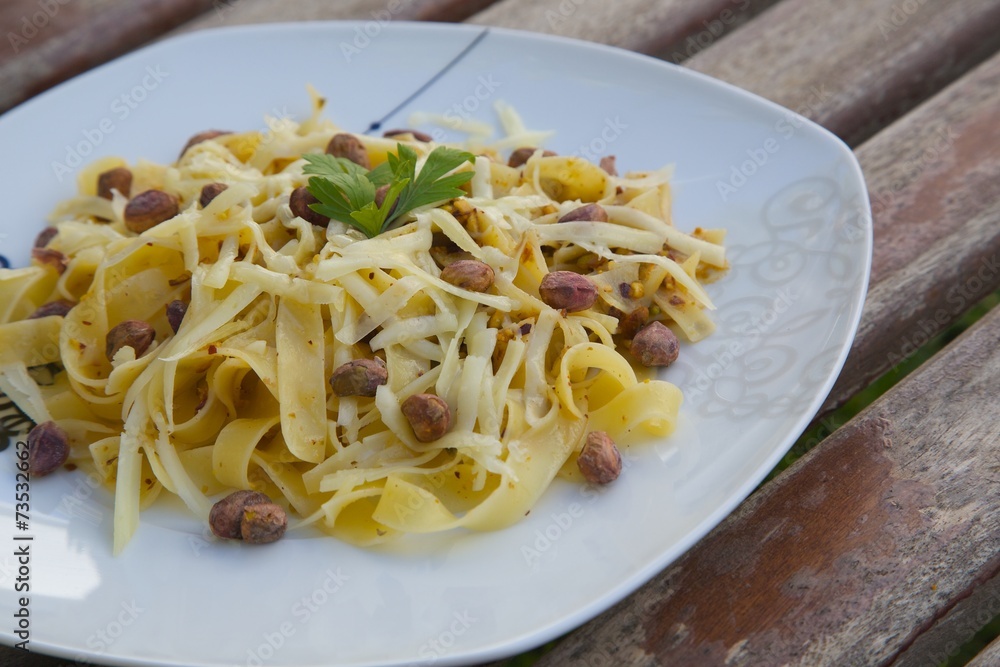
(790, 193)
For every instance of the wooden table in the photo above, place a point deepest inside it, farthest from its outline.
(882, 544)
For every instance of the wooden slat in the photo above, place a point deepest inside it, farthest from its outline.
(75, 36)
(852, 68)
(938, 224)
(947, 636)
(988, 657)
(934, 181)
(871, 61)
(844, 558)
(671, 29)
(952, 61)
(236, 12)
(10, 657)
(815, 57)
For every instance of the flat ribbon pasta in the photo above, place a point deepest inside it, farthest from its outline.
(250, 309)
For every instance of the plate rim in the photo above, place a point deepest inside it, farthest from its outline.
(639, 577)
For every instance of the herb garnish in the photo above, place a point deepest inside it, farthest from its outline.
(346, 191)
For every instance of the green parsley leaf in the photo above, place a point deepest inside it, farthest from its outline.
(429, 187)
(321, 164)
(332, 202)
(381, 175)
(440, 162)
(371, 218)
(442, 189)
(346, 191)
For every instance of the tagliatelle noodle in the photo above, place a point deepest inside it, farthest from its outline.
(238, 397)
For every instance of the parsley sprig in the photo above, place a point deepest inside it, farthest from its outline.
(346, 191)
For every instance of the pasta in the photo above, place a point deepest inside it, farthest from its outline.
(268, 306)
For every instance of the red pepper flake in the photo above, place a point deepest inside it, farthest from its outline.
(212, 349)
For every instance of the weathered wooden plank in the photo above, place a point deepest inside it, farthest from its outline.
(856, 69)
(10, 657)
(51, 41)
(946, 636)
(672, 29)
(844, 558)
(988, 657)
(934, 181)
(916, 252)
(236, 12)
(813, 56)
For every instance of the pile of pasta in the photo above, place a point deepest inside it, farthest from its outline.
(239, 396)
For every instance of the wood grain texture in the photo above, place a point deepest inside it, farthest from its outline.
(13, 658)
(75, 36)
(988, 657)
(844, 558)
(945, 637)
(934, 181)
(855, 68)
(672, 29)
(238, 12)
(936, 228)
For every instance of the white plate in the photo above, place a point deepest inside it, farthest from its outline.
(790, 193)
